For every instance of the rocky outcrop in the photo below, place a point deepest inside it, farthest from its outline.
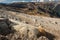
(28, 27)
(20, 26)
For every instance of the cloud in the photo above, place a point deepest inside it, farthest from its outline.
(2, 0)
(33, 1)
(19, 1)
(15, 1)
(37, 0)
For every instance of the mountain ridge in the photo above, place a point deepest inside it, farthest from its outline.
(45, 9)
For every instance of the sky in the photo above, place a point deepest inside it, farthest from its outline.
(10, 1)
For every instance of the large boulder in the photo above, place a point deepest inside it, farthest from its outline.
(5, 26)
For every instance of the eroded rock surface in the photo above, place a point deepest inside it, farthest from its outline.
(26, 27)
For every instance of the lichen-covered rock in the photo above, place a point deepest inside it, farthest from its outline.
(29, 32)
(4, 27)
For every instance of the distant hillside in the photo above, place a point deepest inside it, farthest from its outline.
(40, 9)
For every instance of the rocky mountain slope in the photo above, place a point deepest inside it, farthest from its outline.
(40, 9)
(21, 26)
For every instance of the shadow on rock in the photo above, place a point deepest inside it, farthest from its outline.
(47, 35)
(6, 27)
(4, 38)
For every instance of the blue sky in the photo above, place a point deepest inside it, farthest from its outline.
(10, 1)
